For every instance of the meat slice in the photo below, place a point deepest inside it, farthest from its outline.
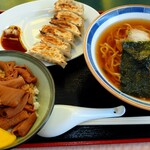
(26, 74)
(14, 83)
(8, 68)
(10, 112)
(10, 96)
(6, 123)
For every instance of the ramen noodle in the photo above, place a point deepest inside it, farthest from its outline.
(109, 47)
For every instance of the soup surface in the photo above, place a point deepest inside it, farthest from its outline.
(109, 46)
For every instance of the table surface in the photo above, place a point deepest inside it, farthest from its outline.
(98, 5)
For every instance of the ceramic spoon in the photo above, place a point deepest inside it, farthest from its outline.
(65, 117)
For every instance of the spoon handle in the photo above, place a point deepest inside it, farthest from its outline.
(95, 113)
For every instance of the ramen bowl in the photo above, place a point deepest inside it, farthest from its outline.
(96, 33)
(44, 84)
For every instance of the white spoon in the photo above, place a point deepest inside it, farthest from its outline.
(65, 117)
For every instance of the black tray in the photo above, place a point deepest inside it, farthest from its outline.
(75, 85)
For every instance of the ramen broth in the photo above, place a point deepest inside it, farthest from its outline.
(104, 35)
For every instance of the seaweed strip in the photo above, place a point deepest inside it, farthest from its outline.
(135, 69)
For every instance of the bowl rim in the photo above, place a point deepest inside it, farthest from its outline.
(42, 67)
(137, 102)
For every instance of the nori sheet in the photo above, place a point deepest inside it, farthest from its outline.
(135, 69)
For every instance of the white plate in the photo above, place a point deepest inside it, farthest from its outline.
(31, 16)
